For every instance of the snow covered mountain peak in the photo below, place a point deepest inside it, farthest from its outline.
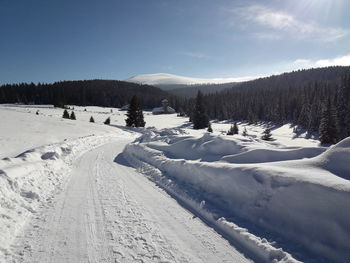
(171, 79)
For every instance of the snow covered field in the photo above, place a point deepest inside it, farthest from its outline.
(67, 193)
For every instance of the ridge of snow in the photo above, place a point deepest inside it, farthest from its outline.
(303, 200)
(171, 79)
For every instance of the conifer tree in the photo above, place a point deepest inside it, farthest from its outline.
(134, 114)
(343, 108)
(235, 128)
(72, 116)
(107, 121)
(245, 133)
(328, 125)
(140, 122)
(65, 114)
(230, 131)
(200, 119)
(267, 136)
(92, 119)
(210, 129)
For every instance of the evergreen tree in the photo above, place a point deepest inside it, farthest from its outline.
(235, 128)
(140, 122)
(72, 116)
(231, 130)
(245, 133)
(65, 114)
(134, 114)
(200, 119)
(343, 108)
(107, 121)
(210, 129)
(328, 125)
(267, 136)
(92, 119)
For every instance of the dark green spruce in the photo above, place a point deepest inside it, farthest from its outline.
(135, 114)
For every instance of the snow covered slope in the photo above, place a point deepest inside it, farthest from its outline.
(301, 196)
(170, 79)
(21, 129)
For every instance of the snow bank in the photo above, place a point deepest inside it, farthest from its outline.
(30, 180)
(304, 201)
(207, 147)
(337, 159)
(258, 249)
(236, 149)
(275, 155)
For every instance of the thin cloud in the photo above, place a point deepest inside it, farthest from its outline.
(302, 62)
(338, 61)
(278, 23)
(195, 55)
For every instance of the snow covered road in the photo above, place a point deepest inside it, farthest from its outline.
(108, 212)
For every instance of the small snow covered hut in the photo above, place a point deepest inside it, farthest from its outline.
(165, 109)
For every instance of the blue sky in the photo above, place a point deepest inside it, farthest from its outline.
(54, 40)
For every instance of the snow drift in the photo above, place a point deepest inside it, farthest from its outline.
(305, 201)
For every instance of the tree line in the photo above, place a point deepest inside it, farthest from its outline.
(317, 100)
(106, 93)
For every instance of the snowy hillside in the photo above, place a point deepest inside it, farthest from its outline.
(170, 79)
(75, 191)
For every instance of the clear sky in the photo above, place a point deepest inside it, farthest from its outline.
(50, 40)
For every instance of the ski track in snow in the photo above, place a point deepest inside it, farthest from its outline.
(108, 212)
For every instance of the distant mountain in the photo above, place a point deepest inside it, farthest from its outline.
(185, 86)
(190, 91)
(169, 81)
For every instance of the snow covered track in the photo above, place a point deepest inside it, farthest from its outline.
(110, 213)
(29, 181)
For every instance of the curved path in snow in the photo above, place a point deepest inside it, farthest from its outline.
(108, 212)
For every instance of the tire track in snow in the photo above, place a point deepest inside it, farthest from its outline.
(110, 213)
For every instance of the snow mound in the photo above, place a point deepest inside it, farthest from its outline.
(337, 159)
(237, 149)
(207, 147)
(273, 155)
(304, 202)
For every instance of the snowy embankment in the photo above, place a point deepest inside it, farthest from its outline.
(30, 180)
(301, 199)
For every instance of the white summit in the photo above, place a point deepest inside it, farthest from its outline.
(170, 79)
